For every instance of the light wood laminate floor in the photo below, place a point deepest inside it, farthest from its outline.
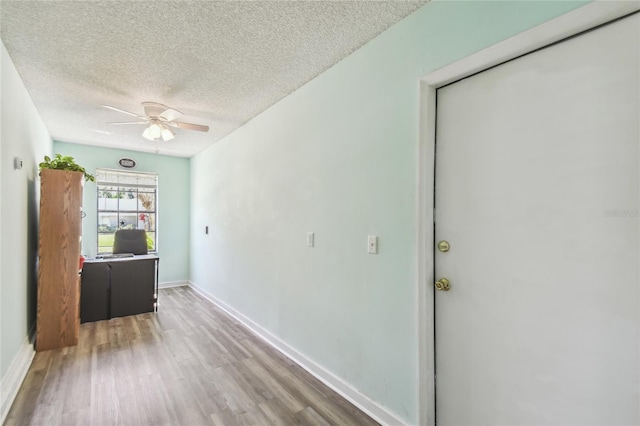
(189, 364)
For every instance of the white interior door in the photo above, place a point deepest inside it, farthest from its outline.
(537, 192)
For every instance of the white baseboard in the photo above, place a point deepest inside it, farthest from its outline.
(16, 373)
(379, 413)
(168, 284)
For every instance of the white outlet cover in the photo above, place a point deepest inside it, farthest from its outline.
(310, 239)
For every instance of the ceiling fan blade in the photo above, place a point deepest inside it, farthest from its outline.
(170, 114)
(123, 111)
(188, 126)
(128, 122)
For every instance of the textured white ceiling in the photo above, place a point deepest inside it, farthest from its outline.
(219, 62)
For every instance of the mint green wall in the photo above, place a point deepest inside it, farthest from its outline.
(173, 202)
(339, 157)
(22, 134)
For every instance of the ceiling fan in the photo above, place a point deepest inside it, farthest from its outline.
(159, 119)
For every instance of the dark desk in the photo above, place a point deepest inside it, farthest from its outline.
(118, 287)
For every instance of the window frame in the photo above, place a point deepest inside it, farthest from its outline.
(126, 182)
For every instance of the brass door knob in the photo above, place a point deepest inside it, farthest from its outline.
(443, 284)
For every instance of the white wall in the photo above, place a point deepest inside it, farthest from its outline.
(23, 134)
(338, 157)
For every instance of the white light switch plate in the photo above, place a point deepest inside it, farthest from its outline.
(372, 244)
(310, 239)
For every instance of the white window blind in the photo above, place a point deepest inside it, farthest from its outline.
(108, 177)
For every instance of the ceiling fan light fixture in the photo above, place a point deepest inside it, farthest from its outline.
(167, 134)
(147, 134)
(155, 130)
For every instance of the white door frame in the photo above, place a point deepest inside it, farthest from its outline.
(572, 23)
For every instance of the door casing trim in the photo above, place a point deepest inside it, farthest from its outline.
(554, 30)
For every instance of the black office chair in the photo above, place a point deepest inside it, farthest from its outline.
(130, 241)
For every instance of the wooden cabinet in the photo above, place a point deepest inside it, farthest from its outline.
(59, 252)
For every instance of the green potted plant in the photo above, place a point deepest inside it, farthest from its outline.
(66, 162)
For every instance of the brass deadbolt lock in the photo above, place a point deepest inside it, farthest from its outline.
(443, 246)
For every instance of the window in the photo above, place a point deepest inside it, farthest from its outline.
(126, 200)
